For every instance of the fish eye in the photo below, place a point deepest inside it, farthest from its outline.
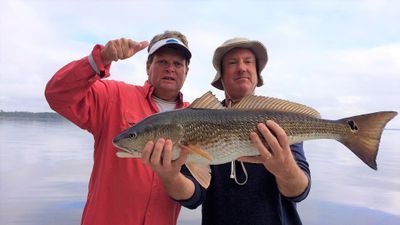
(132, 135)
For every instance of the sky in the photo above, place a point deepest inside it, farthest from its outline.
(340, 57)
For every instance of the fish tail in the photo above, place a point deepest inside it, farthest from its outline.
(367, 130)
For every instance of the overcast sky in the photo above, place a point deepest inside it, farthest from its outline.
(340, 57)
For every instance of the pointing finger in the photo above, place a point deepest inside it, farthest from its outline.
(137, 46)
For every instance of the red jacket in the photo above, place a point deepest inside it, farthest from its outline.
(121, 191)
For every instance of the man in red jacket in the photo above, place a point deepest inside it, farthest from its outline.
(127, 191)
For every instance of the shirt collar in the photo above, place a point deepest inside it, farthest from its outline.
(149, 89)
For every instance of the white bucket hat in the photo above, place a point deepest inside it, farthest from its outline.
(259, 50)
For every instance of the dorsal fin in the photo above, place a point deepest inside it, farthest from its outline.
(207, 101)
(275, 104)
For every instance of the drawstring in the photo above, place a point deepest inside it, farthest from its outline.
(228, 104)
(233, 173)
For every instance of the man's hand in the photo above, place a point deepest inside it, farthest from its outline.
(278, 159)
(159, 157)
(122, 48)
(277, 156)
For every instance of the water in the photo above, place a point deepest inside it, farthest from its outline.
(45, 167)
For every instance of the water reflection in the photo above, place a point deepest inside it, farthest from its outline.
(44, 172)
(45, 168)
(340, 177)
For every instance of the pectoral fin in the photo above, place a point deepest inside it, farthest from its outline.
(122, 154)
(196, 150)
(201, 172)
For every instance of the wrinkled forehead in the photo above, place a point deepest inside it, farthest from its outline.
(239, 53)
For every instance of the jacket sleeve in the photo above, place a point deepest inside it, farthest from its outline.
(298, 153)
(75, 91)
(199, 194)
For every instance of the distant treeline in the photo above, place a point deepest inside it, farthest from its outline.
(41, 115)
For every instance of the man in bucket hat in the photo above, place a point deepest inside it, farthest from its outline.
(264, 189)
(256, 47)
(126, 191)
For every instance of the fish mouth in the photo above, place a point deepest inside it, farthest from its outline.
(116, 142)
(120, 144)
(116, 139)
(121, 147)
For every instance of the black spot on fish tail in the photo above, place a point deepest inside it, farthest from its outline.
(353, 125)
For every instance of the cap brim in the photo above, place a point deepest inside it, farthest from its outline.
(172, 43)
(179, 47)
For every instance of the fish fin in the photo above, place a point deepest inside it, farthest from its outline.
(367, 131)
(207, 101)
(198, 151)
(200, 172)
(122, 154)
(275, 104)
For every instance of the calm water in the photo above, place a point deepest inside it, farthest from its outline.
(45, 167)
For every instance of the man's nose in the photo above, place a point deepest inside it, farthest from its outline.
(241, 66)
(170, 66)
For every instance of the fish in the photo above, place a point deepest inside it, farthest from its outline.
(214, 134)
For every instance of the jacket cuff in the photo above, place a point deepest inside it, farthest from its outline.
(193, 201)
(96, 63)
(303, 195)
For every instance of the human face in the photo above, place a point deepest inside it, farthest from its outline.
(167, 73)
(239, 73)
